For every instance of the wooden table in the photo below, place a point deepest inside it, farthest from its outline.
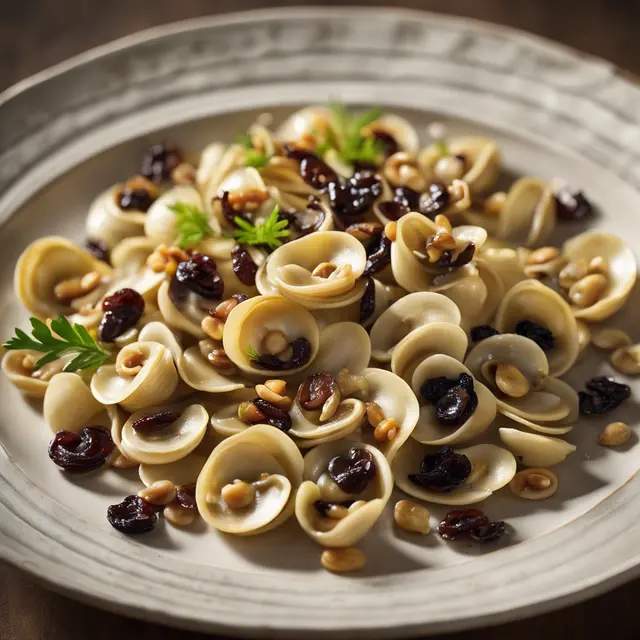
(35, 34)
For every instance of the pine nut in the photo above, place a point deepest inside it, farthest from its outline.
(337, 512)
(282, 402)
(442, 222)
(444, 241)
(129, 362)
(391, 230)
(511, 381)
(68, 290)
(220, 360)
(331, 405)
(161, 492)
(223, 310)
(599, 264)
(412, 516)
(571, 273)
(534, 484)
(543, 255)
(627, 360)
(249, 413)
(274, 343)
(324, 270)
(386, 430)
(177, 515)
(277, 386)
(238, 495)
(212, 327)
(494, 204)
(588, 291)
(538, 481)
(610, 339)
(343, 560)
(375, 415)
(614, 434)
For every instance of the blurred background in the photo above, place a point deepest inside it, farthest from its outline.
(35, 34)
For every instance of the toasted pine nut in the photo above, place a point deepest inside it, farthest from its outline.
(494, 204)
(122, 462)
(386, 430)
(238, 495)
(274, 343)
(627, 360)
(160, 492)
(68, 290)
(572, 272)
(129, 362)
(412, 516)
(343, 560)
(511, 381)
(249, 413)
(177, 515)
(282, 402)
(599, 264)
(442, 222)
(324, 270)
(223, 310)
(534, 484)
(444, 241)
(538, 481)
(588, 291)
(277, 386)
(610, 338)
(391, 230)
(331, 405)
(220, 360)
(375, 415)
(337, 512)
(29, 362)
(615, 434)
(542, 255)
(212, 327)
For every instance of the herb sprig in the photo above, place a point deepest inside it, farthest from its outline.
(72, 339)
(269, 233)
(252, 354)
(192, 224)
(253, 157)
(351, 145)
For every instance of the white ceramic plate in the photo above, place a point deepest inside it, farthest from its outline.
(71, 131)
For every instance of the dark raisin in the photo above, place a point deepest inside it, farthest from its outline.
(354, 198)
(81, 452)
(228, 212)
(301, 354)
(353, 472)
(155, 422)
(434, 388)
(407, 196)
(159, 162)
(489, 532)
(186, 496)
(316, 390)
(442, 471)
(275, 416)
(243, 265)
(393, 210)
(132, 515)
(460, 523)
(305, 222)
(200, 275)
(482, 332)
(602, 396)
(368, 301)
(313, 170)
(435, 200)
(122, 310)
(536, 332)
(464, 257)
(378, 255)
(365, 231)
(456, 406)
(98, 249)
(387, 142)
(572, 205)
(135, 199)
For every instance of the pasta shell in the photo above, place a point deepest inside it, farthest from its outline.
(181, 472)
(534, 450)
(69, 403)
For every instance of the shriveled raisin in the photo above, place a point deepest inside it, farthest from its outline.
(200, 275)
(353, 472)
(489, 532)
(602, 396)
(354, 198)
(316, 390)
(368, 301)
(313, 170)
(404, 200)
(435, 200)
(159, 162)
(307, 221)
(465, 524)
(572, 205)
(135, 199)
(464, 257)
(536, 332)
(154, 422)
(300, 355)
(482, 332)
(444, 470)
(275, 416)
(133, 515)
(186, 496)
(98, 249)
(455, 401)
(122, 310)
(228, 212)
(243, 265)
(81, 452)
(387, 142)
(434, 388)
(378, 255)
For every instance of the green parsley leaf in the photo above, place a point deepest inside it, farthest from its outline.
(267, 233)
(252, 354)
(442, 147)
(351, 145)
(253, 157)
(72, 339)
(192, 224)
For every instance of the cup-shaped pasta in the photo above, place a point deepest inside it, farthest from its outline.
(243, 185)
(492, 468)
(108, 222)
(530, 300)
(129, 259)
(310, 121)
(249, 483)
(54, 276)
(406, 315)
(412, 266)
(535, 450)
(506, 264)
(516, 370)
(398, 133)
(436, 337)
(69, 403)
(160, 224)
(621, 271)
(19, 367)
(144, 375)
(216, 163)
(319, 495)
(324, 265)
(270, 335)
(430, 429)
(528, 215)
(186, 317)
(183, 471)
(163, 434)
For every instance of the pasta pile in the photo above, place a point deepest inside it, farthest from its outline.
(303, 319)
